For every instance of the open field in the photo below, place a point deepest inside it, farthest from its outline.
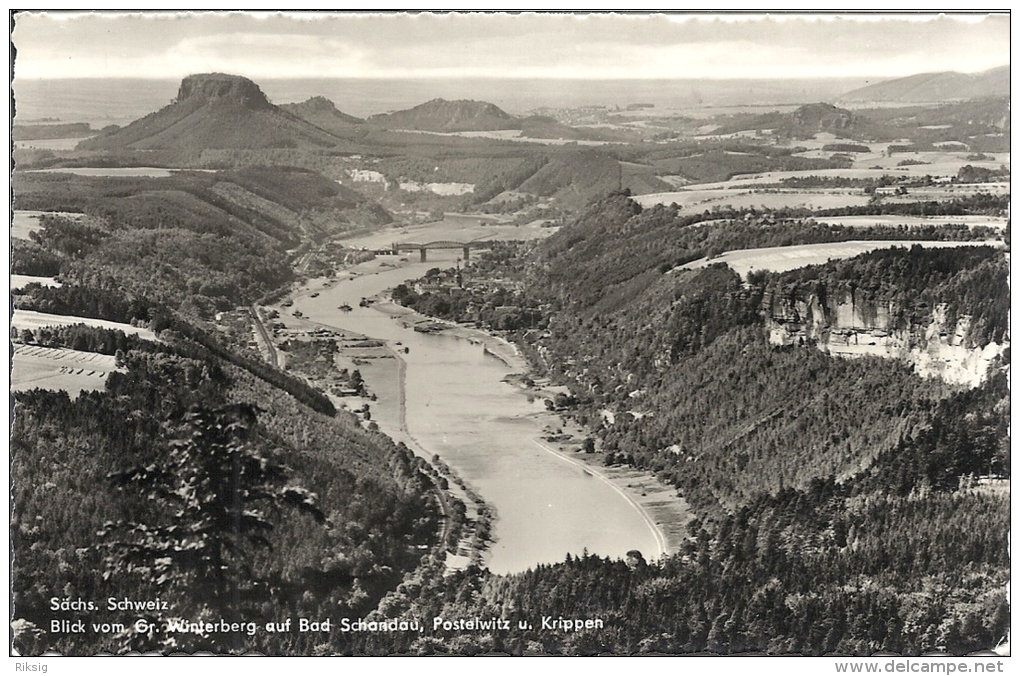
(50, 143)
(997, 222)
(770, 177)
(744, 190)
(29, 319)
(945, 191)
(21, 281)
(27, 222)
(59, 369)
(150, 172)
(785, 258)
(936, 161)
(507, 135)
(876, 165)
(939, 163)
(698, 199)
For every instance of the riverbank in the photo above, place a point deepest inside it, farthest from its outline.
(383, 404)
(472, 546)
(499, 348)
(664, 511)
(442, 384)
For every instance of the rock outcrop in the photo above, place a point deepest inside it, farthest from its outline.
(821, 117)
(210, 87)
(936, 345)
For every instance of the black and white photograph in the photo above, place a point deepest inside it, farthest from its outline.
(503, 333)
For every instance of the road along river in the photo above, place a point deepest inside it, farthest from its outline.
(458, 407)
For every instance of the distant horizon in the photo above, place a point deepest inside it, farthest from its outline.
(448, 78)
(102, 101)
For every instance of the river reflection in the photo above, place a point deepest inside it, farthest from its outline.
(458, 407)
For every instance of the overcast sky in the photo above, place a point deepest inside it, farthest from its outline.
(264, 46)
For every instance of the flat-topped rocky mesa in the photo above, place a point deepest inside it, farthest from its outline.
(210, 87)
(216, 111)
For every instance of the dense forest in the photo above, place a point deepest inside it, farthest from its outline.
(341, 528)
(690, 347)
(201, 475)
(845, 505)
(887, 561)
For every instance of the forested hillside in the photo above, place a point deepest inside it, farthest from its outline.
(845, 505)
(344, 518)
(447, 116)
(682, 361)
(927, 87)
(201, 475)
(851, 569)
(908, 557)
(203, 241)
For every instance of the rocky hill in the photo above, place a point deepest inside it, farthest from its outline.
(214, 110)
(821, 117)
(804, 122)
(812, 118)
(322, 113)
(932, 87)
(440, 115)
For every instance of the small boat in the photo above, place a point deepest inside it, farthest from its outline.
(345, 307)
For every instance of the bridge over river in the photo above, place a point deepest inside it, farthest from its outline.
(441, 244)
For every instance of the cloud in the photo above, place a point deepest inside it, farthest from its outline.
(473, 44)
(266, 55)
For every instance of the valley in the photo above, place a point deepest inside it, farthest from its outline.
(728, 376)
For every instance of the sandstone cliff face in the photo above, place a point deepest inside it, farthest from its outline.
(848, 325)
(216, 86)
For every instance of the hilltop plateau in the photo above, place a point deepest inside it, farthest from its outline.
(215, 111)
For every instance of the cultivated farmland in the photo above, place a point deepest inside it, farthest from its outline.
(785, 258)
(30, 319)
(59, 369)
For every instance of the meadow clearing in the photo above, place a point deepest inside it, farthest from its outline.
(59, 369)
(785, 258)
(30, 319)
(26, 222)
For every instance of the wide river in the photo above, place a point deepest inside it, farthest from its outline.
(458, 407)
